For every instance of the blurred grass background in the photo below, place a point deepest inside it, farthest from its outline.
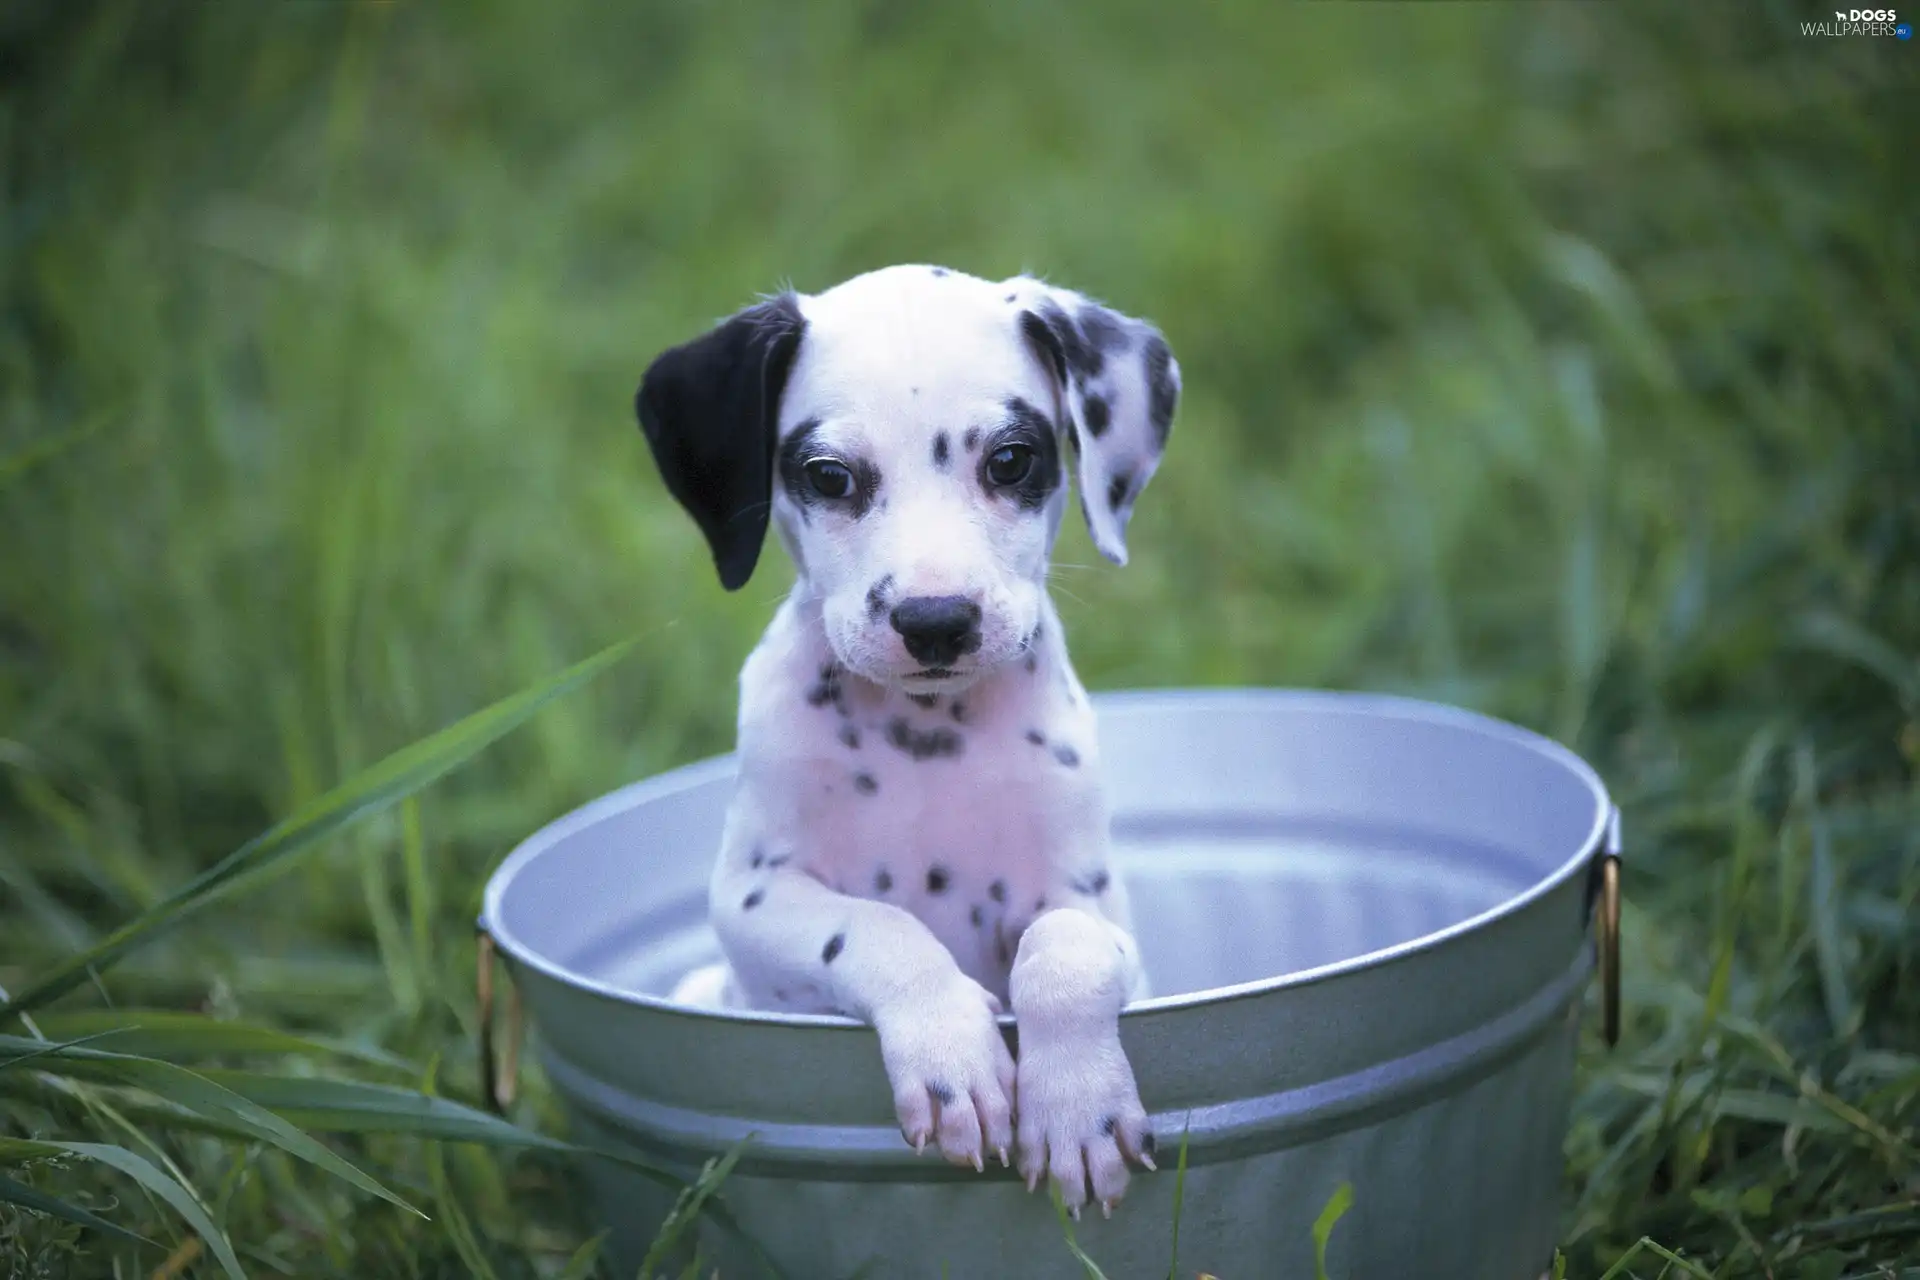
(1554, 360)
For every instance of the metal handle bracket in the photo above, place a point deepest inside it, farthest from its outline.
(1607, 931)
(499, 1075)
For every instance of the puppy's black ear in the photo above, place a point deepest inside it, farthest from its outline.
(710, 410)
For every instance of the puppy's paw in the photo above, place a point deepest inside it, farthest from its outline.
(1080, 1118)
(952, 1076)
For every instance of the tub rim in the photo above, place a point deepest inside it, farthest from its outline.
(1602, 837)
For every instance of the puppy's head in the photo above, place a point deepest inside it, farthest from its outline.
(909, 435)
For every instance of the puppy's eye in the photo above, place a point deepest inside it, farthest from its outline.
(829, 479)
(1009, 464)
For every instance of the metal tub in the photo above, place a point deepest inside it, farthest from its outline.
(1369, 925)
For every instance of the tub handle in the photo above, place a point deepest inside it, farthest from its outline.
(1607, 931)
(499, 1076)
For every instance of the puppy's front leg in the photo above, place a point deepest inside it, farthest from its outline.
(949, 1068)
(1080, 1118)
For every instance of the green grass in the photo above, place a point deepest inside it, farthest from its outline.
(1557, 361)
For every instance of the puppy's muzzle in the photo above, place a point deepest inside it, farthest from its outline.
(937, 630)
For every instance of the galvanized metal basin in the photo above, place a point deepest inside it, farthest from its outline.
(1367, 921)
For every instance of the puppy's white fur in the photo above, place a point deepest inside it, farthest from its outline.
(917, 850)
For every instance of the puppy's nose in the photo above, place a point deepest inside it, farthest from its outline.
(937, 629)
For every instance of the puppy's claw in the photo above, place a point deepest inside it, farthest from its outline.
(1106, 1208)
(1075, 1211)
(979, 1165)
(1004, 1162)
(919, 1143)
(1147, 1160)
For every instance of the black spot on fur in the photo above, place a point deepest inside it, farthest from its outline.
(757, 859)
(942, 451)
(1001, 951)
(941, 1094)
(959, 710)
(997, 891)
(1046, 342)
(780, 861)
(923, 744)
(864, 784)
(1163, 396)
(972, 439)
(977, 916)
(1067, 756)
(827, 689)
(924, 699)
(1040, 903)
(1094, 410)
(780, 994)
(877, 596)
(882, 881)
(1105, 331)
(1032, 663)
(1011, 297)
(1092, 886)
(835, 945)
(1110, 1125)
(753, 900)
(939, 271)
(1084, 360)
(936, 879)
(1118, 488)
(1036, 737)
(850, 735)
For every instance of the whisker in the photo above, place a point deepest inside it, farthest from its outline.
(1069, 595)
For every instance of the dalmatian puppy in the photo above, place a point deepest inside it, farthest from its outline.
(919, 835)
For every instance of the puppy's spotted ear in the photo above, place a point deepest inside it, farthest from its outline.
(1120, 386)
(710, 410)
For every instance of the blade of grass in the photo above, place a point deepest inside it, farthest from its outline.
(1647, 1244)
(20, 1059)
(1330, 1214)
(351, 1106)
(167, 1033)
(26, 1197)
(373, 790)
(143, 1172)
(1741, 1104)
(1824, 893)
(585, 1260)
(1179, 1195)
(685, 1213)
(1087, 1264)
(395, 956)
(23, 460)
(1847, 640)
(453, 1220)
(1893, 1147)
(421, 907)
(177, 1084)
